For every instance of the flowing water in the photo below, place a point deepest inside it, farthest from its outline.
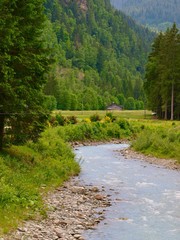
(145, 198)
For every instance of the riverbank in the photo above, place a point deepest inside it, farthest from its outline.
(129, 153)
(72, 209)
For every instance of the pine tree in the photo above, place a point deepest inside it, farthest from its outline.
(163, 73)
(23, 64)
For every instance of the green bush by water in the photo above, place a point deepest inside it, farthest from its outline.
(94, 131)
(160, 142)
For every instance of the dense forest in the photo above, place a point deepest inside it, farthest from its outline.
(154, 13)
(100, 55)
(162, 83)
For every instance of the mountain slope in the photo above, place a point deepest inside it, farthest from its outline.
(155, 13)
(100, 52)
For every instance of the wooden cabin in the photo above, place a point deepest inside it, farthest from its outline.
(114, 106)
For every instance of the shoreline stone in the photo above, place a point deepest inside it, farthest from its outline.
(129, 154)
(72, 209)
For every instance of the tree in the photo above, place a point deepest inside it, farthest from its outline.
(24, 62)
(130, 103)
(162, 74)
(170, 59)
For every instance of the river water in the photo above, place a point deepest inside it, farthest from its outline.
(145, 198)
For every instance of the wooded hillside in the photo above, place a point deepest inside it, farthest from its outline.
(158, 14)
(100, 55)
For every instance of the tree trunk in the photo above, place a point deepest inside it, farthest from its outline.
(165, 114)
(172, 102)
(2, 120)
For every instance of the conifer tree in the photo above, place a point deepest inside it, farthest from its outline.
(23, 64)
(163, 73)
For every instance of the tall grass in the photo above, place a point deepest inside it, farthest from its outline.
(95, 131)
(161, 141)
(127, 114)
(27, 172)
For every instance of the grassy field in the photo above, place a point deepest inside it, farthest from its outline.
(128, 114)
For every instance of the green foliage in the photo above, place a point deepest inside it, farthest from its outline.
(130, 104)
(95, 118)
(71, 120)
(159, 142)
(102, 130)
(29, 171)
(101, 58)
(24, 62)
(60, 119)
(156, 14)
(162, 84)
(111, 116)
(124, 124)
(50, 103)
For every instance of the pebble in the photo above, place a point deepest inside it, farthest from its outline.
(72, 209)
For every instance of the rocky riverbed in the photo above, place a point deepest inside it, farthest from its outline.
(129, 153)
(72, 209)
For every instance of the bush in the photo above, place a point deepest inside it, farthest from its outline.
(95, 118)
(124, 124)
(60, 119)
(110, 115)
(71, 120)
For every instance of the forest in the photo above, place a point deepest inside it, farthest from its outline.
(156, 14)
(100, 56)
(162, 85)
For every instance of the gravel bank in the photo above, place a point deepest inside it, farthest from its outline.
(72, 209)
(129, 153)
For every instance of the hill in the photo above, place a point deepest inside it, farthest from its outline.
(154, 13)
(100, 55)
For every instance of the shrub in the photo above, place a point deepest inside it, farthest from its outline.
(71, 120)
(53, 121)
(95, 118)
(124, 124)
(60, 119)
(111, 116)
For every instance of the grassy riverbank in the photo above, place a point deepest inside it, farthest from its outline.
(149, 136)
(29, 171)
(158, 138)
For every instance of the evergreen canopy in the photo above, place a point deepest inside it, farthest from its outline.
(23, 64)
(162, 84)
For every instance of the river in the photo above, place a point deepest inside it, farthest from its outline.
(145, 198)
